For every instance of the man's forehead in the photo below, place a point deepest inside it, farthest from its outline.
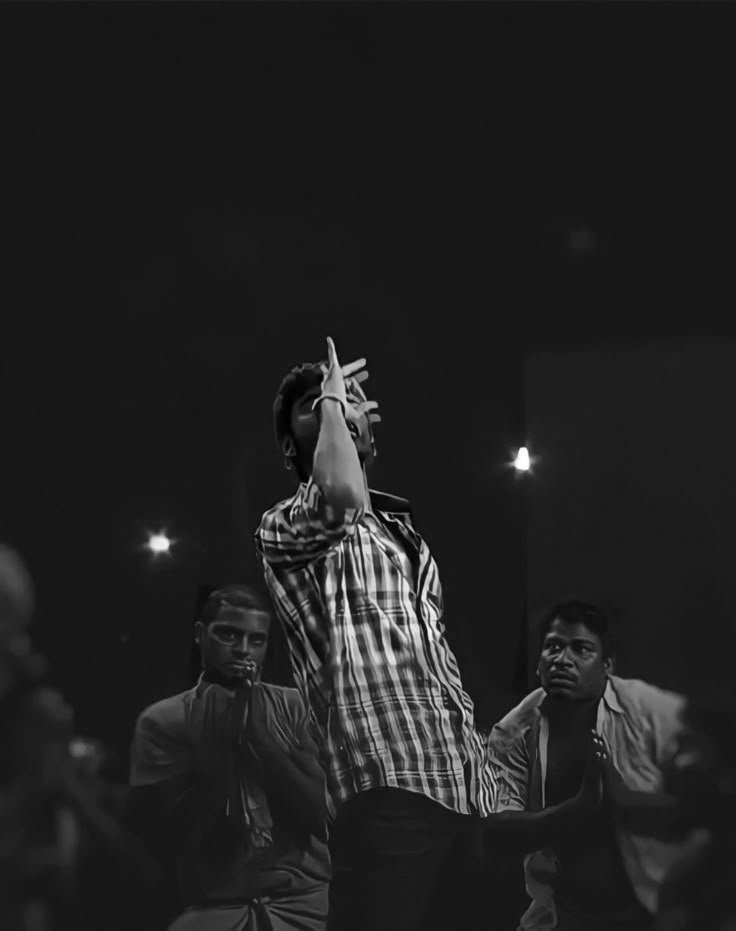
(243, 618)
(569, 630)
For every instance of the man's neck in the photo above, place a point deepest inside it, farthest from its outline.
(572, 715)
(232, 683)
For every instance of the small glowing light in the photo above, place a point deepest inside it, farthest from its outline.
(159, 543)
(522, 462)
(583, 239)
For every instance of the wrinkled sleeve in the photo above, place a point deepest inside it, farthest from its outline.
(282, 718)
(280, 733)
(300, 531)
(158, 753)
(508, 760)
(665, 712)
(169, 797)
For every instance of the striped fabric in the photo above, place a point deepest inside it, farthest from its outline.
(360, 601)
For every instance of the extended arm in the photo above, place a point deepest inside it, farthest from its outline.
(336, 468)
(511, 825)
(526, 831)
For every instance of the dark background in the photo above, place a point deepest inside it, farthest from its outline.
(197, 195)
(632, 500)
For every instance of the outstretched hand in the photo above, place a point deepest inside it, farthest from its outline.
(344, 382)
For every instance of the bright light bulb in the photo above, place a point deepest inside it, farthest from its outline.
(159, 543)
(522, 462)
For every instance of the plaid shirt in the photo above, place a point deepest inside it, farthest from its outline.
(360, 601)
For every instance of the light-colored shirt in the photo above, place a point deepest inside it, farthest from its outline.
(639, 723)
(360, 602)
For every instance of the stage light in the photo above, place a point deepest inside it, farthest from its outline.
(522, 462)
(159, 543)
(583, 240)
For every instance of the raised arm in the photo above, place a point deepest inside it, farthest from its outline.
(336, 467)
(294, 534)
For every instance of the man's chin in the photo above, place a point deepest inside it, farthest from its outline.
(231, 678)
(564, 691)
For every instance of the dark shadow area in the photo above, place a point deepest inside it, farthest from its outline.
(521, 214)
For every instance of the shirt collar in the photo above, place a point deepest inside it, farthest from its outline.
(389, 504)
(610, 698)
(381, 501)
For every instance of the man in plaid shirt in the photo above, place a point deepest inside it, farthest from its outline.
(358, 594)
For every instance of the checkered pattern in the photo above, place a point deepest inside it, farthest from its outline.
(360, 601)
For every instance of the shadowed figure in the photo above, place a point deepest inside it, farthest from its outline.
(228, 772)
(580, 765)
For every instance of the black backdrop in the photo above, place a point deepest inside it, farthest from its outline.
(198, 194)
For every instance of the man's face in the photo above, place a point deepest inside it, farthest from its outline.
(571, 665)
(305, 429)
(234, 645)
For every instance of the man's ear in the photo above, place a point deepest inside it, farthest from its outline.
(198, 629)
(608, 664)
(288, 447)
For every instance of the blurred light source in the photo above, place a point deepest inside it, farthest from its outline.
(522, 462)
(159, 543)
(583, 239)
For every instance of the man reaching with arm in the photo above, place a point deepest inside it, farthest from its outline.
(358, 594)
(579, 766)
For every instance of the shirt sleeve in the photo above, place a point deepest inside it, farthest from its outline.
(157, 753)
(507, 758)
(665, 713)
(298, 532)
(280, 718)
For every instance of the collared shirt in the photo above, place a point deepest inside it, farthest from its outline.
(638, 723)
(360, 601)
(184, 743)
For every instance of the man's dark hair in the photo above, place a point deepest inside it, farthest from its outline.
(580, 612)
(301, 378)
(233, 596)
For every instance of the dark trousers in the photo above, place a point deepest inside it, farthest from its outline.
(402, 862)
